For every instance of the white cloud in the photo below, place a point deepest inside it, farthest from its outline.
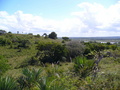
(25, 23)
(92, 20)
(100, 21)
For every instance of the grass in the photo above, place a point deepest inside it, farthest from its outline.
(108, 78)
(7, 83)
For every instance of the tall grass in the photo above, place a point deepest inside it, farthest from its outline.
(3, 65)
(46, 84)
(8, 83)
(30, 78)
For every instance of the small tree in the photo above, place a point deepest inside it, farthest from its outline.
(30, 33)
(75, 48)
(66, 38)
(52, 35)
(2, 32)
(45, 35)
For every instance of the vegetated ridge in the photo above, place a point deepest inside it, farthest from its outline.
(44, 62)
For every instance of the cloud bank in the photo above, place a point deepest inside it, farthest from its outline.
(92, 19)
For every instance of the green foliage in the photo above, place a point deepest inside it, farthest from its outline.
(117, 60)
(75, 49)
(105, 82)
(52, 35)
(3, 65)
(66, 38)
(97, 47)
(42, 83)
(23, 43)
(83, 67)
(87, 50)
(75, 75)
(2, 32)
(4, 41)
(34, 61)
(38, 36)
(8, 83)
(30, 33)
(113, 47)
(108, 43)
(30, 78)
(51, 51)
(9, 32)
(45, 83)
(45, 35)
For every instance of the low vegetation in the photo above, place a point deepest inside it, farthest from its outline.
(34, 62)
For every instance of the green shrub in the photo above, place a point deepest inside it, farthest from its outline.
(75, 49)
(51, 51)
(23, 43)
(95, 46)
(30, 78)
(83, 67)
(4, 41)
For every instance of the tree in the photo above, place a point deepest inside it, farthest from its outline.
(2, 32)
(66, 38)
(75, 48)
(52, 35)
(45, 35)
(10, 32)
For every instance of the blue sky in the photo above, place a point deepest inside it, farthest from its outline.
(81, 17)
(54, 9)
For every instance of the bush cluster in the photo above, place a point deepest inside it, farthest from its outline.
(50, 51)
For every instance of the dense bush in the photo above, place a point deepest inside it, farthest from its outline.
(4, 41)
(51, 51)
(95, 46)
(75, 48)
(23, 43)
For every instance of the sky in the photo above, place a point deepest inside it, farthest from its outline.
(71, 18)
